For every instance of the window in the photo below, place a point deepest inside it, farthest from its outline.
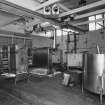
(104, 20)
(5, 52)
(95, 25)
(92, 24)
(48, 34)
(59, 32)
(45, 34)
(41, 34)
(91, 18)
(64, 31)
(98, 24)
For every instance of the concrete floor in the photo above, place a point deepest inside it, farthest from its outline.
(44, 91)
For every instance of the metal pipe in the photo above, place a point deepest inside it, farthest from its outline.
(4, 11)
(41, 16)
(75, 43)
(68, 41)
(55, 40)
(38, 15)
(98, 49)
(12, 34)
(22, 37)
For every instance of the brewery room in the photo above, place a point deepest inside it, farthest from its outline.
(52, 52)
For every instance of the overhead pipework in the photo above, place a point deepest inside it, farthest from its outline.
(26, 12)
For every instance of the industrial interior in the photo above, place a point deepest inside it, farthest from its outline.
(52, 52)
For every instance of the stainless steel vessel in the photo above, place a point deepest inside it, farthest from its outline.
(94, 73)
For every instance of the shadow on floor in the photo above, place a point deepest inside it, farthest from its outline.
(45, 91)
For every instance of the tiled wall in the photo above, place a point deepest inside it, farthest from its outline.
(85, 42)
(93, 39)
(39, 41)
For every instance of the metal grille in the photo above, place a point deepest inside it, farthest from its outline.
(5, 41)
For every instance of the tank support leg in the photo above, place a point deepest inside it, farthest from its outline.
(100, 84)
(101, 89)
(82, 83)
(101, 96)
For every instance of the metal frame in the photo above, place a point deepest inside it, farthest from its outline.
(83, 8)
(14, 34)
(24, 12)
(87, 22)
(47, 3)
(89, 14)
(63, 7)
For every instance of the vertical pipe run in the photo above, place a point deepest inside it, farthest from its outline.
(61, 35)
(48, 59)
(9, 54)
(24, 42)
(68, 41)
(67, 46)
(62, 46)
(75, 43)
(52, 39)
(55, 40)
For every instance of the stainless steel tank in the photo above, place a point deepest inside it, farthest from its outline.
(94, 70)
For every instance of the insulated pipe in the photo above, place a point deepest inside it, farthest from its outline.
(55, 38)
(75, 43)
(41, 16)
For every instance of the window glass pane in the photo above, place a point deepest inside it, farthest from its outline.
(95, 25)
(99, 16)
(91, 26)
(41, 34)
(91, 18)
(48, 34)
(65, 33)
(98, 25)
(59, 32)
(104, 20)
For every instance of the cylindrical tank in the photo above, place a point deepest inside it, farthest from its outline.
(94, 69)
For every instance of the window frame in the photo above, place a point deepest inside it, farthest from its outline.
(95, 18)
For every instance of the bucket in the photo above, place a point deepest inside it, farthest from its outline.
(66, 79)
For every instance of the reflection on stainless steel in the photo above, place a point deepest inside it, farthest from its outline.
(94, 69)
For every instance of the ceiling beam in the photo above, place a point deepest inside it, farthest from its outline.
(8, 13)
(47, 3)
(89, 14)
(63, 7)
(24, 11)
(14, 34)
(83, 8)
(87, 22)
(29, 4)
(49, 28)
(31, 24)
(37, 15)
(72, 26)
(34, 22)
(10, 22)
